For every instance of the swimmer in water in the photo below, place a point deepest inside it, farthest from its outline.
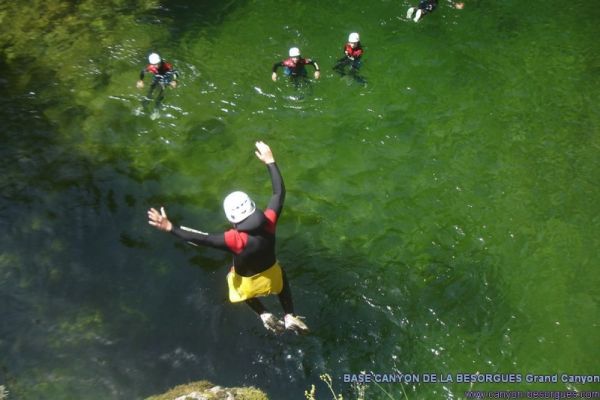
(163, 75)
(427, 6)
(353, 52)
(295, 66)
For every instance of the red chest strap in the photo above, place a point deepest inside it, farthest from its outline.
(235, 240)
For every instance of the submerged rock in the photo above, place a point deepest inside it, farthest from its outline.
(204, 390)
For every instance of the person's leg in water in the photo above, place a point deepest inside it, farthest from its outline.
(165, 81)
(354, 71)
(410, 12)
(161, 95)
(146, 100)
(293, 77)
(297, 81)
(425, 7)
(269, 321)
(158, 84)
(300, 79)
(292, 321)
(353, 67)
(340, 65)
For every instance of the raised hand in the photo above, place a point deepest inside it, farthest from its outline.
(159, 220)
(264, 153)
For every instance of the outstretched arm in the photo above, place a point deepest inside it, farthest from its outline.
(160, 221)
(264, 153)
(317, 69)
(274, 70)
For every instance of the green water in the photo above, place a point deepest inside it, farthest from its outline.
(443, 218)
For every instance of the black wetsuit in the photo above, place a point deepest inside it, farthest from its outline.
(351, 58)
(427, 5)
(163, 75)
(295, 68)
(252, 241)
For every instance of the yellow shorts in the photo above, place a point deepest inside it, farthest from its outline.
(265, 283)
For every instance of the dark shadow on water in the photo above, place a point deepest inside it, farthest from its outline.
(355, 77)
(345, 69)
(187, 17)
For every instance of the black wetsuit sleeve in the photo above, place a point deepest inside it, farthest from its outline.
(314, 64)
(278, 197)
(142, 73)
(195, 237)
(277, 65)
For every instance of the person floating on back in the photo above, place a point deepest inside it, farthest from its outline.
(294, 66)
(424, 7)
(353, 52)
(427, 6)
(163, 75)
(256, 271)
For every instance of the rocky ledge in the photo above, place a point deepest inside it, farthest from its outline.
(205, 390)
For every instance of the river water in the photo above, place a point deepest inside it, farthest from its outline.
(442, 216)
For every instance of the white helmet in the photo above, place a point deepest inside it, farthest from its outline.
(294, 52)
(154, 58)
(353, 38)
(238, 206)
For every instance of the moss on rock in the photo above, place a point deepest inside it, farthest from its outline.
(204, 390)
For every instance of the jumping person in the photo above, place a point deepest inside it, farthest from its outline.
(163, 75)
(256, 270)
(353, 51)
(294, 66)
